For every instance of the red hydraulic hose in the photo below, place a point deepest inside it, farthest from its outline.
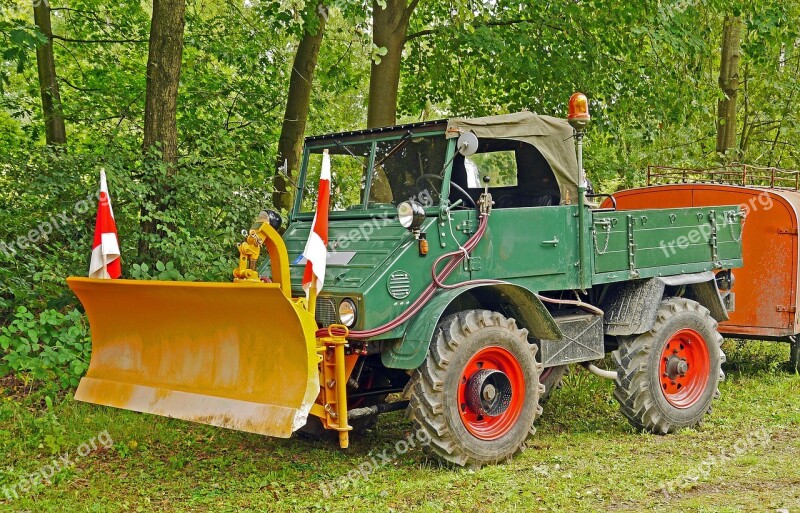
(456, 257)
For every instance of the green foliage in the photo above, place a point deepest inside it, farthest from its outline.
(649, 68)
(162, 271)
(747, 356)
(52, 432)
(52, 347)
(651, 80)
(17, 39)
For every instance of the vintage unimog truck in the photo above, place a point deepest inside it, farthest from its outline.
(467, 266)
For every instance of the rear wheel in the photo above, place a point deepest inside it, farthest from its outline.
(667, 378)
(476, 396)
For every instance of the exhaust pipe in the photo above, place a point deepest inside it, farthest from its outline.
(598, 371)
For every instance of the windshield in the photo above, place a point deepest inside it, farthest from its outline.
(385, 172)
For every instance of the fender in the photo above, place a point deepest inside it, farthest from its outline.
(631, 306)
(701, 287)
(518, 302)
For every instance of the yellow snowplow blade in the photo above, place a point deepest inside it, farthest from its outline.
(236, 355)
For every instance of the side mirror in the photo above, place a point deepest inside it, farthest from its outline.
(270, 216)
(467, 144)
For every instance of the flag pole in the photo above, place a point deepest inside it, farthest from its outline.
(312, 299)
(315, 251)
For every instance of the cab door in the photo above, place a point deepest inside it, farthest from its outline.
(523, 242)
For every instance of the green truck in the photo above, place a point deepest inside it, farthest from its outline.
(573, 281)
(467, 267)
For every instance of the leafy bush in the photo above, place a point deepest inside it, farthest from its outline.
(754, 356)
(53, 348)
(163, 272)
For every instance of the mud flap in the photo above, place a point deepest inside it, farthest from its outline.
(235, 355)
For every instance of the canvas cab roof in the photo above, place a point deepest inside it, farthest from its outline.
(551, 136)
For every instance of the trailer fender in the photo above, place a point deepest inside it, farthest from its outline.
(517, 302)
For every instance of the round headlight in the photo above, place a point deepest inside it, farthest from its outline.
(410, 214)
(347, 312)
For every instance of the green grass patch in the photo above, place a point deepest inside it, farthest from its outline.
(584, 457)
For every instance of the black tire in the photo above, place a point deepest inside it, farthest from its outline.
(794, 356)
(435, 408)
(551, 378)
(641, 364)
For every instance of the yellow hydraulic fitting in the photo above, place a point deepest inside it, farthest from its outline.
(334, 374)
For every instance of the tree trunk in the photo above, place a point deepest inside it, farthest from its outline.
(389, 27)
(48, 81)
(729, 83)
(163, 77)
(161, 102)
(290, 144)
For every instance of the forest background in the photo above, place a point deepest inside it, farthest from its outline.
(192, 106)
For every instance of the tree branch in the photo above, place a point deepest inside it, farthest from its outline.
(102, 41)
(421, 33)
(83, 11)
(73, 86)
(77, 62)
(500, 23)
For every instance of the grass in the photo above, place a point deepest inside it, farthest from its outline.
(584, 457)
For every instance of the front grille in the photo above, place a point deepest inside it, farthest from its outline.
(326, 312)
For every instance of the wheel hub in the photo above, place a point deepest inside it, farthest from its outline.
(489, 392)
(685, 369)
(676, 367)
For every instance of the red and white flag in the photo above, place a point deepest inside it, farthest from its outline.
(316, 251)
(105, 261)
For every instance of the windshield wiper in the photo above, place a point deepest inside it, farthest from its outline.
(399, 146)
(345, 148)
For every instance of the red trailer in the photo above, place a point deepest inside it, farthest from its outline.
(763, 299)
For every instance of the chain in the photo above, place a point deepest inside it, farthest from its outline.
(608, 237)
(733, 217)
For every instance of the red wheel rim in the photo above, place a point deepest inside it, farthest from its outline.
(685, 368)
(486, 427)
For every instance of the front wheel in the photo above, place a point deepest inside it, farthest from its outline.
(476, 396)
(667, 378)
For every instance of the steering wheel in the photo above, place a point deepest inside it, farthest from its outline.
(505, 201)
(453, 185)
(428, 176)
